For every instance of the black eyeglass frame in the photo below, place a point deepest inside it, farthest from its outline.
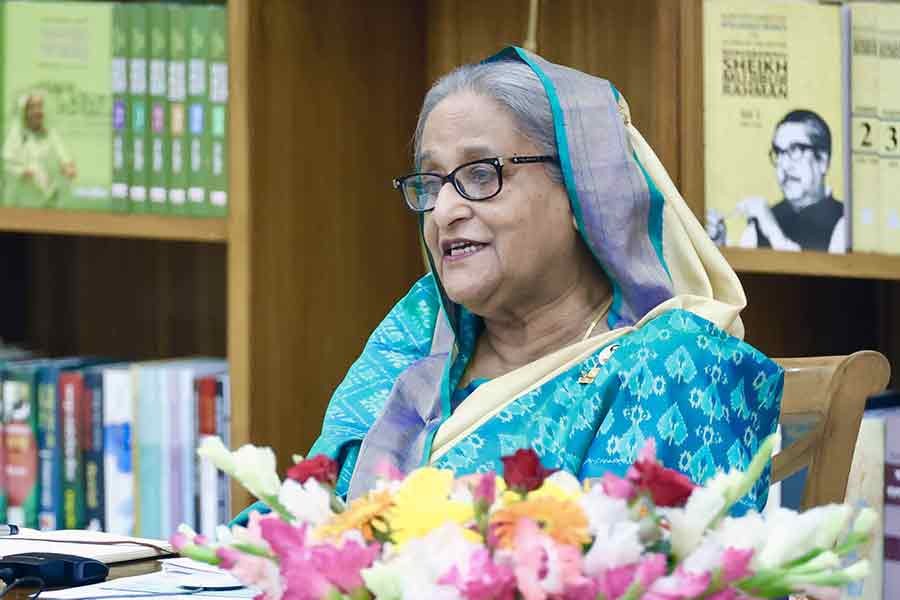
(497, 162)
(775, 153)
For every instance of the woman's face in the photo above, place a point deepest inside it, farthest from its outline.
(34, 113)
(522, 246)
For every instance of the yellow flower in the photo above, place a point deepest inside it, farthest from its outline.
(364, 514)
(422, 504)
(561, 519)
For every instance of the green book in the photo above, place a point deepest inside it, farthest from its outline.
(158, 15)
(57, 143)
(138, 99)
(218, 108)
(5, 200)
(121, 132)
(178, 150)
(198, 110)
(20, 429)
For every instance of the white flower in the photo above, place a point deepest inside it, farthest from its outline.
(602, 510)
(742, 533)
(857, 571)
(212, 449)
(790, 535)
(706, 558)
(255, 469)
(309, 502)
(616, 545)
(688, 524)
(413, 571)
(865, 521)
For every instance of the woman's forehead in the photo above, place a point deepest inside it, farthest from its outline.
(469, 126)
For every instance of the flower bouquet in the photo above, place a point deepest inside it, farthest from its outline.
(534, 533)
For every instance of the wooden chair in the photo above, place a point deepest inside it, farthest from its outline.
(829, 394)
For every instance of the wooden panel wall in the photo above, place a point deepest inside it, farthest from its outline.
(326, 246)
(632, 44)
(133, 299)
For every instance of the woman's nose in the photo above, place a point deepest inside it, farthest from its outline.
(450, 206)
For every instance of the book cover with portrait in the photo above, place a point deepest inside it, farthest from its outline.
(56, 138)
(776, 88)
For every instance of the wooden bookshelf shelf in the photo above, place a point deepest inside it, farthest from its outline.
(815, 264)
(159, 227)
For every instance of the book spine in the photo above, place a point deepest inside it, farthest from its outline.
(22, 481)
(50, 461)
(93, 452)
(208, 490)
(118, 474)
(178, 154)
(138, 56)
(865, 128)
(148, 466)
(891, 523)
(3, 499)
(71, 396)
(889, 61)
(218, 107)
(198, 111)
(6, 199)
(122, 152)
(223, 430)
(158, 18)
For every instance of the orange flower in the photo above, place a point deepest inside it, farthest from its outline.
(364, 514)
(562, 520)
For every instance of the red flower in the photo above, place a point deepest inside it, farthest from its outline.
(666, 486)
(523, 470)
(320, 467)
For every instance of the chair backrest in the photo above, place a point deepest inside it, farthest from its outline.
(828, 395)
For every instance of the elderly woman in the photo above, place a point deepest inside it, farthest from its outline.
(574, 304)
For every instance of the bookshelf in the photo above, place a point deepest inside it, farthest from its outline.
(50, 221)
(317, 247)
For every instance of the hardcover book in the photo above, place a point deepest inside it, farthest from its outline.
(122, 152)
(218, 107)
(776, 75)
(198, 111)
(138, 103)
(866, 129)
(889, 61)
(57, 98)
(158, 16)
(178, 151)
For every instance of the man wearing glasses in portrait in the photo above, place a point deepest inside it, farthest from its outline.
(808, 217)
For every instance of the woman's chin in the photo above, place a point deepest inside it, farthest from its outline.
(470, 294)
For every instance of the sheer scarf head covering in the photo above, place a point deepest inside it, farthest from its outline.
(637, 227)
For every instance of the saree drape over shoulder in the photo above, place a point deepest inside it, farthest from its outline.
(673, 365)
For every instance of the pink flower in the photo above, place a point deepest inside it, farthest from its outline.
(617, 487)
(485, 579)
(320, 467)
(616, 581)
(342, 565)
(302, 579)
(542, 566)
(179, 541)
(736, 564)
(228, 557)
(680, 585)
(726, 594)
(486, 489)
(651, 568)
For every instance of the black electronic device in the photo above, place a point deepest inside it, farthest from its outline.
(55, 570)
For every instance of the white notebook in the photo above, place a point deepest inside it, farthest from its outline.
(105, 547)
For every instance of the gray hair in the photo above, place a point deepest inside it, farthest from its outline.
(511, 84)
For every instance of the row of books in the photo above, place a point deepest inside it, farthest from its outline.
(119, 107)
(801, 117)
(90, 444)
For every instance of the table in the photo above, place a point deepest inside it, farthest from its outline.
(126, 569)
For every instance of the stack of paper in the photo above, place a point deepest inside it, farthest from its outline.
(105, 547)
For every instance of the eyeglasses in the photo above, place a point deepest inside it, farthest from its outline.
(476, 180)
(794, 152)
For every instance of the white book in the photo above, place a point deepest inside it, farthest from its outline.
(118, 422)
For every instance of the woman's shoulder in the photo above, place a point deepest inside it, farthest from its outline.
(680, 332)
